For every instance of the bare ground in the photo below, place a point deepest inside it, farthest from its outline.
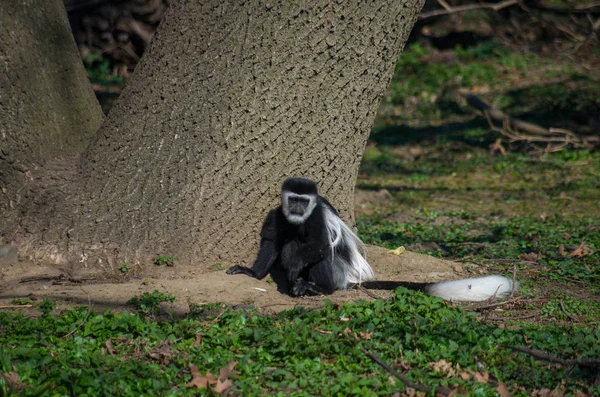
(191, 285)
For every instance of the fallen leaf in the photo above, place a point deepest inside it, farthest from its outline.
(582, 250)
(220, 387)
(464, 376)
(398, 251)
(227, 370)
(443, 367)
(531, 256)
(483, 378)
(366, 335)
(11, 378)
(392, 380)
(198, 380)
(561, 250)
(109, 349)
(503, 391)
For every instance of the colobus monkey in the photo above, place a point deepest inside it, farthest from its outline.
(307, 240)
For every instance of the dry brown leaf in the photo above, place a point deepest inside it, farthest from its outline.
(503, 390)
(109, 349)
(481, 377)
(453, 393)
(198, 380)
(366, 335)
(464, 375)
(220, 387)
(531, 256)
(392, 380)
(443, 367)
(11, 378)
(197, 340)
(227, 370)
(348, 332)
(582, 250)
(561, 250)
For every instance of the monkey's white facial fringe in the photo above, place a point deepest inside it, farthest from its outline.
(356, 269)
(473, 289)
(293, 218)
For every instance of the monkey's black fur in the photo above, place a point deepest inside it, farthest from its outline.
(305, 240)
(304, 251)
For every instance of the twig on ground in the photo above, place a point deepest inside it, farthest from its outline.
(544, 356)
(14, 306)
(467, 7)
(513, 318)
(84, 319)
(404, 379)
(562, 306)
(517, 261)
(491, 305)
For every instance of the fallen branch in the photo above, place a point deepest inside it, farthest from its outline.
(84, 319)
(542, 355)
(519, 130)
(14, 306)
(404, 379)
(495, 304)
(467, 7)
(562, 306)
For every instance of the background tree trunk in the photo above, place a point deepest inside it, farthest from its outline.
(231, 98)
(47, 106)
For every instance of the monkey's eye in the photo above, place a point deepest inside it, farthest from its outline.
(298, 205)
(298, 201)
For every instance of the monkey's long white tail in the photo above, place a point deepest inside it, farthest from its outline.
(357, 269)
(473, 289)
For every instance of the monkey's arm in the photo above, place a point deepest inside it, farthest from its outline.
(266, 255)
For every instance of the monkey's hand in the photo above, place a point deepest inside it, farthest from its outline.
(302, 287)
(241, 270)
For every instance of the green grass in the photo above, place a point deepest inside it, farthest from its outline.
(298, 352)
(449, 197)
(536, 88)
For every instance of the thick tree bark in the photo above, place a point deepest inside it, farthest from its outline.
(231, 98)
(47, 106)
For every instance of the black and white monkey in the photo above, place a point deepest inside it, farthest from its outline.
(306, 239)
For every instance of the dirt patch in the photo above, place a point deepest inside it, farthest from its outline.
(191, 285)
(366, 200)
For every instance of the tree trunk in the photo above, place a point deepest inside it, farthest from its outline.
(231, 98)
(47, 106)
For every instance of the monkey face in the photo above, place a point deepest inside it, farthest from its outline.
(297, 208)
(298, 205)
